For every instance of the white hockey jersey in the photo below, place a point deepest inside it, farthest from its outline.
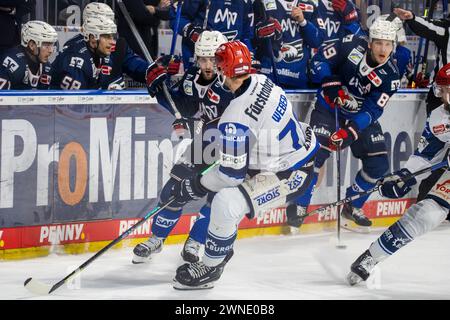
(260, 131)
(434, 142)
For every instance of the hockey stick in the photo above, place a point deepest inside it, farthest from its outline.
(177, 26)
(147, 55)
(205, 20)
(437, 166)
(40, 288)
(339, 245)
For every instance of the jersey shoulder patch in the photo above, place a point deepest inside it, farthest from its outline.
(439, 124)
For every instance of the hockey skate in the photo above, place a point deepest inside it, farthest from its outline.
(361, 268)
(198, 276)
(295, 217)
(191, 250)
(356, 215)
(143, 251)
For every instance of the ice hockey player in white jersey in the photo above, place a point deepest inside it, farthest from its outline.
(428, 213)
(266, 159)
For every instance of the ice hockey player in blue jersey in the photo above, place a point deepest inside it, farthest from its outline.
(123, 59)
(266, 159)
(27, 66)
(428, 213)
(84, 64)
(357, 77)
(291, 34)
(336, 19)
(198, 94)
(233, 18)
(93, 9)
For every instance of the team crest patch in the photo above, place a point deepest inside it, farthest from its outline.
(355, 56)
(187, 86)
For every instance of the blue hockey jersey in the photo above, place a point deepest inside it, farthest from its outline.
(369, 88)
(292, 62)
(331, 25)
(192, 97)
(234, 18)
(76, 67)
(19, 72)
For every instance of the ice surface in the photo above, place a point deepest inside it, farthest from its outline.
(272, 267)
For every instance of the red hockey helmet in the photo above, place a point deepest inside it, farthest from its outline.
(233, 59)
(443, 76)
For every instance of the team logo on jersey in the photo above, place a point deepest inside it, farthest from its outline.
(187, 86)
(106, 70)
(355, 56)
(375, 79)
(226, 16)
(293, 51)
(212, 96)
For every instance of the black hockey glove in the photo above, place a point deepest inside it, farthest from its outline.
(187, 127)
(390, 188)
(189, 189)
(346, 9)
(192, 32)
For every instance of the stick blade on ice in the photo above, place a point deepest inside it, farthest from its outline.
(37, 287)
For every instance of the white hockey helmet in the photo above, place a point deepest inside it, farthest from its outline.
(98, 26)
(383, 30)
(39, 32)
(398, 25)
(208, 42)
(97, 9)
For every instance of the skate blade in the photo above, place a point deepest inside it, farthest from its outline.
(182, 287)
(353, 278)
(350, 225)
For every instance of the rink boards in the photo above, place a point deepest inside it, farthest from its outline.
(79, 168)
